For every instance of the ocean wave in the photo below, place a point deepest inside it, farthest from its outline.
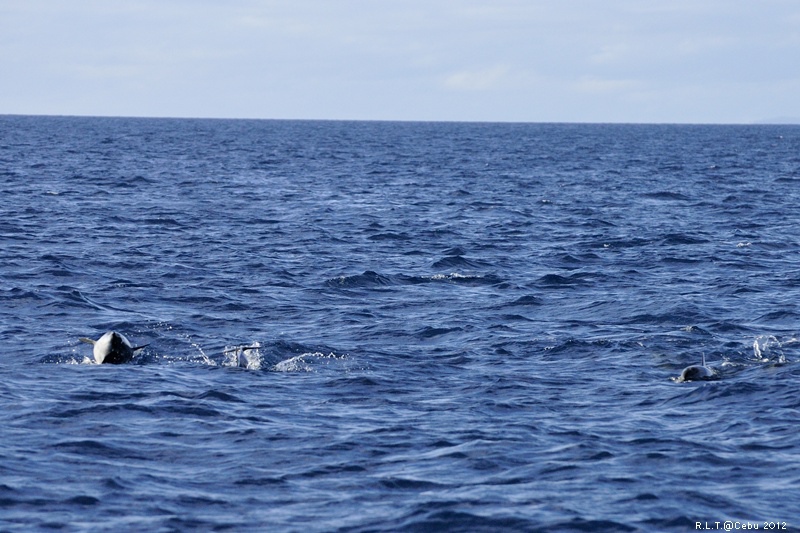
(372, 326)
(368, 279)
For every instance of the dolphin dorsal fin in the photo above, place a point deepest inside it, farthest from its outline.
(87, 340)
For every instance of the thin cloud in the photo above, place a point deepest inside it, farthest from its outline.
(592, 84)
(477, 79)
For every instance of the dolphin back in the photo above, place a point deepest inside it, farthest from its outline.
(112, 348)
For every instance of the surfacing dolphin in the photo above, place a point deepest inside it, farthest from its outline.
(112, 348)
(696, 372)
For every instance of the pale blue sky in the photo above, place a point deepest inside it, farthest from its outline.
(708, 61)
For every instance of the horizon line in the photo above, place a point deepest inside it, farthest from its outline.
(778, 121)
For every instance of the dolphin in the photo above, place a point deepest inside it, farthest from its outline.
(112, 348)
(696, 372)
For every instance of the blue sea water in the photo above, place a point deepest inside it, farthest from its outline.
(452, 326)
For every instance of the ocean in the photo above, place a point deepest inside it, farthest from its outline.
(398, 326)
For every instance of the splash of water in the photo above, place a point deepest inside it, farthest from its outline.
(768, 348)
(247, 356)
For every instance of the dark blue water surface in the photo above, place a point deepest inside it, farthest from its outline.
(456, 327)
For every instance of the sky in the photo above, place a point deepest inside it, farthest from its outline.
(644, 61)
